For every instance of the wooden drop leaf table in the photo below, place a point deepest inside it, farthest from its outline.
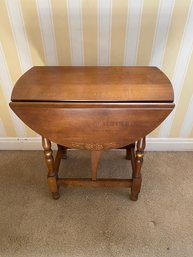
(96, 109)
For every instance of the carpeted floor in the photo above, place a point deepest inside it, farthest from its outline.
(96, 222)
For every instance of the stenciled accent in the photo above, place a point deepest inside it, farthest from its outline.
(93, 146)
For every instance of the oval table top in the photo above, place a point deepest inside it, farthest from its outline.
(103, 84)
(93, 108)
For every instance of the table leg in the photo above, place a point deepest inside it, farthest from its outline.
(64, 152)
(59, 156)
(128, 151)
(136, 176)
(52, 174)
(95, 157)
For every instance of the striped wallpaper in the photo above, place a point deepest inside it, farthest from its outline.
(98, 32)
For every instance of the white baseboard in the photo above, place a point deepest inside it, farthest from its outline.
(153, 144)
(169, 144)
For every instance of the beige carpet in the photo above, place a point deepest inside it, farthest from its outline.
(96, 222)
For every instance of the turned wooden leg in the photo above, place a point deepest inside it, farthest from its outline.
(95, 157)
(136, 176)
(52, 174)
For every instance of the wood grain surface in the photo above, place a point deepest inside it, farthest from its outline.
(92, 128)
(136, 84)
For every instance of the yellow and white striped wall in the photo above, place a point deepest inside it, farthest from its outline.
(99, 32)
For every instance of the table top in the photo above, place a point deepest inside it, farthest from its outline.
(93, 84)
